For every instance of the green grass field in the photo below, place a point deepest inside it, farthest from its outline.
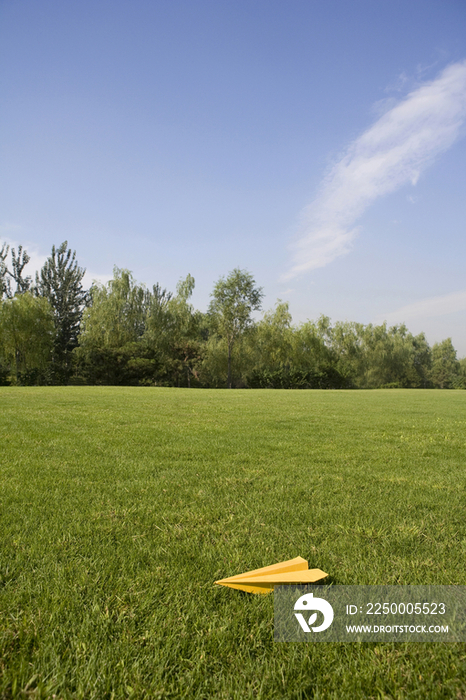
(119, 507)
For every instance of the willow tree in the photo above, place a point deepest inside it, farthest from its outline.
(445, 365)
(112, 348)
(116, 315)
(26, 335)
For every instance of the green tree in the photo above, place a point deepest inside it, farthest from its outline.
(173, 329)
(421, 362)
(392, 357)
(113, 347)
(4, 281)
(26, 336)
(347, 344)
(445, 366)
(214, 368)
(116, 315)
(313, 344)
(314, 355)
(461, 378)
(272, 348)
(60, 282)
(185, 325)
(233, 301)
(273, 338)
(18, 263)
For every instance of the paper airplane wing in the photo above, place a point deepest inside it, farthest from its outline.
(263, 580)
(297, 564)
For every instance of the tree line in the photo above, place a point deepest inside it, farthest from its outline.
(53, 331)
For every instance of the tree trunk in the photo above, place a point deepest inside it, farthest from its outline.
(229, 365)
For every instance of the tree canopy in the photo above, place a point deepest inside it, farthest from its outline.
(125, 333)
(60, 282)
(26, 336)
(234, 298)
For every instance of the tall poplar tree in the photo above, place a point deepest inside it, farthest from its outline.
(18, 263)
(60, 282)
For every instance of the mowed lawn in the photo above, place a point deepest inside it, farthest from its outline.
(119, 508)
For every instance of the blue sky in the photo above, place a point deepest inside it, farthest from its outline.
(319, 145)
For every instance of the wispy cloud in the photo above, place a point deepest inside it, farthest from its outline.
(391, 153)
(428, 308)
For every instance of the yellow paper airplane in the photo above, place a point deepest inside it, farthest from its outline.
(263, 580)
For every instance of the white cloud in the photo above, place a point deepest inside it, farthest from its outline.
(391, 153)
(91, 277)
(428, 308)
